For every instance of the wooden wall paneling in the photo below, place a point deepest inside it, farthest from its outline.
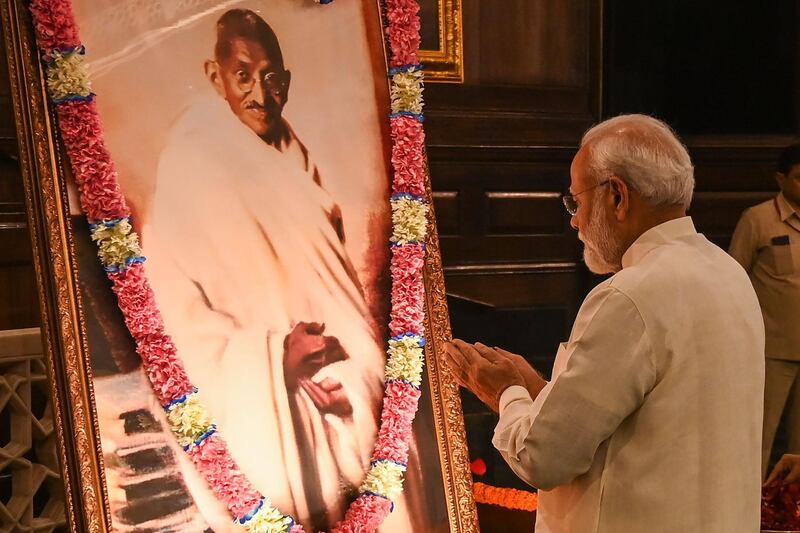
(532, 76)
(499, 150)
(732, 173)
(19, 306)
(8, 142)
(499, 206)
(18, 298)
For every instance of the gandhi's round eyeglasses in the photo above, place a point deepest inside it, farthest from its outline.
(569, 199)
(273, 82)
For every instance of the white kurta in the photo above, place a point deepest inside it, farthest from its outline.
(240, 247)
(652, 421)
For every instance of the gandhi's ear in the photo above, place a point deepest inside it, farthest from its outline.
(212, 70)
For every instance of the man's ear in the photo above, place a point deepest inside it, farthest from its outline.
(620, 196)
(212, 70)
(780, 177)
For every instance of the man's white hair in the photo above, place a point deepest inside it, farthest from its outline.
(646, 154)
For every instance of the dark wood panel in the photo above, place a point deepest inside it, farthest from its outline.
(7, 127)
(524, 213)
(736, 163)
(19, 304)
(509, 207)
(515, 286)
(510, 249)
(448, 127)
(445, 205)
(732, 173)
(532, 76)
(520, 45)
(718, 211)
(19, 308)
(715, 214)
(15, 245)
(18, 299)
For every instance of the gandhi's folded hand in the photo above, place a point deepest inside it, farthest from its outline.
(306, 352)
(328, 396)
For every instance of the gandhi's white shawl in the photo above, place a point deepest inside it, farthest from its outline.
(240, 247)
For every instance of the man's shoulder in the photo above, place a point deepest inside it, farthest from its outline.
(663, 266)
(620, 286)
(685, 268)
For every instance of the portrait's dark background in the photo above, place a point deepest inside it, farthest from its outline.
(726, 75)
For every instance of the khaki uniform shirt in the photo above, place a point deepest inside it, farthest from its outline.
(652, 421)
(767, 244)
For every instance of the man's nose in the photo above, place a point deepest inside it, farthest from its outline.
(573, 221)
(258, 92)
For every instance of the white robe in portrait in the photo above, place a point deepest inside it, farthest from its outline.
(240, 247)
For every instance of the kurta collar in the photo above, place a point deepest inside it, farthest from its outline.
(656, 236)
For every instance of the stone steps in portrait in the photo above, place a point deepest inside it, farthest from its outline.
(157, 500)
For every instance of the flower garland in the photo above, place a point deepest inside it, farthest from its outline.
(519, 500)
(118, 248)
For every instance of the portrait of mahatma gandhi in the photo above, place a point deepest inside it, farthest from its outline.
(248, 73)
(265, 224)
(269, 287)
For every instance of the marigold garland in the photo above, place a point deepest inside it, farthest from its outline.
(508, 498)
(118, 249)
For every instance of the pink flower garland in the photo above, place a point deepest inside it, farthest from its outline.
(403, 31)
(408, 155)
(102, 200)
(159, 356)
(95, 175)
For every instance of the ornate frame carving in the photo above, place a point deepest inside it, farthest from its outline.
(446, 64)
(45, 172)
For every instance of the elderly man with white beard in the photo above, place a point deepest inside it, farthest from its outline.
(652, 419)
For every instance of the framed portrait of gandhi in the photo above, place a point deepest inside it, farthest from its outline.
(253, 148)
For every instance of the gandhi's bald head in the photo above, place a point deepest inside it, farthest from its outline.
(247, 25)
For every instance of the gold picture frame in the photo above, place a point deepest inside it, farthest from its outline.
(46, 172)
(444, 63)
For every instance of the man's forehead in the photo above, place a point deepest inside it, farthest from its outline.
(248, 50)
(577, 170)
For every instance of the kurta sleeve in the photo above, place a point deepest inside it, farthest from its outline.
(610, 369)
(744, 243)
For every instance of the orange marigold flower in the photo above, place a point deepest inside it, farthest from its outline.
(508, 498)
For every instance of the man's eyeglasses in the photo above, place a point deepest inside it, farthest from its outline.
(273, 82)
(569, 199)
